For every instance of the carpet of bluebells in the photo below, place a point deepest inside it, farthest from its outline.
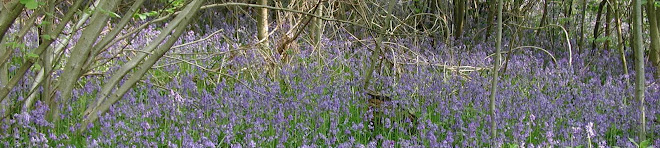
(317, 101)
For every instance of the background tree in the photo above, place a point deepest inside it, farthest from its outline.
(459, 15)
(654, 49)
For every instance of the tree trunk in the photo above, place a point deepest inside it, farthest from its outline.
(47, 65)
(4, 79)
(620, 45)
(544, 17)
(657, 16)
(639, 68)
(568, 13)
(318, 29)
(654, 36)
(262, 25)
(495, 70)
(597, 26)
(20, 72)
(79, 54)
(608, 19)
(582, 16)
(459, 13)
(491, 15)
(7, 17)
(179, 25)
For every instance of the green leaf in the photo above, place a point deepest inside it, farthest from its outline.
(144, 15)
(112, 14)
(30, 4)
(151, 13)
(32, 55)
(49, 14)
(513, 146)
(44, 23)
(645, 144)
(564, 20)
(36, 66)
(15, 45)
(633, 141)
(141, 16)
(45, 36)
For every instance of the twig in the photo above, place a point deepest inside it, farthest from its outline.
(533, 47)
(568, 41)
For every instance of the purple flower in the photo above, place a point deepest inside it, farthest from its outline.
(590, 131)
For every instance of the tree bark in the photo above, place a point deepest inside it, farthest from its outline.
(544, 17)
(179, 27)
(491, 15)
(262, 25)
(4, 79)
(620, 45)
(608, 24)
(598, 22)
(496, 67)
(4, 91)
(7, 17)
(654, 58)
(568, 13)
(459, 13)
(106, 89)
(318, 29)
(79, 54)
(639, 68)
(582, 17)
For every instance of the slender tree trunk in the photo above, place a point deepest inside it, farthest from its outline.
(79, 55)
(318, 29)
(657, 16)
(582, 17)
(46, 58)
(179, 25)
(639, 68)
(598, 22)
(4, 79)
(459, 14)
(654, 36)
(620, 45)
(4, 75)
(20, 72)
(608, 19)
(262, 25)
(498, 57)
(544, 17)
(491, 15)
(7, 17)
(568, 13)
